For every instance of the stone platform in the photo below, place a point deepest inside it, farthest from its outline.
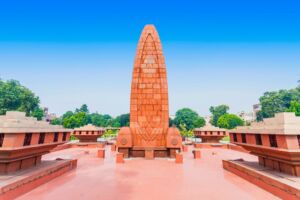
(88, 145)
(79, 145)
(160, 178)
(17, 183)
(220, 145)
(282, 185)
(148, 153)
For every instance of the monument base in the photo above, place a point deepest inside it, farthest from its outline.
(20, 182)
(87, 138)
(280, 184)
(211, 139)
(149, 153)
(220, 145)
(88, 145)
(18, 164)
(210, 145)
(279, 165)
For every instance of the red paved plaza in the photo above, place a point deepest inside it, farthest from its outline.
(139, 179)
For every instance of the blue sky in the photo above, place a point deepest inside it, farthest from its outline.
(75, 52)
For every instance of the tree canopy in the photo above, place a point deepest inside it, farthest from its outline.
(188, 118)
(16, 97)
(217, 112)
(82, 116)
(277, 101)
(121, 120)
(294, 107)
(229, 121)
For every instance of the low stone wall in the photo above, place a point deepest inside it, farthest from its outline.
(17, 185)
(79, 144)
(236, 148)
(220, 145)
(61, 147)
(263, 180)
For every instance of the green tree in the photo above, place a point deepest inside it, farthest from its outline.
(294, 107)
(77, 120)
(67, 115)
(57, 121)
(38, 113)
(217, 112)
(199, 122)
(171, 122)
(278, 101)
(121, 120)
(84, 108)
(109, 133)
(185, 132)
(101, 120)
(259, 116)
(14, 96)
(275, 102)
(188, 118)
(229, 121)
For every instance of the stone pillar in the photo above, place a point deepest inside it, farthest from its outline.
(185, 148)
(197, 153)
(113, 147)
(119, 158)
(101, 153)
(149, 154)
(178, 158)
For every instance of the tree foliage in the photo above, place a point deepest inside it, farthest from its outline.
(14, 96)
(185, 132)
(277, 101)
(188, 118)
(101, 120)
(217, 112)
(56, 121)
(84, 108)
(81, 116)
(38, 113)
(77, 120)
(121, 120)
(199, 122)
(229, 121)
(294, 107)
(110, 133)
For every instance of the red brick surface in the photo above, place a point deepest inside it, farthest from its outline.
(197, 153)
(149, 107)
(179, 158)
(119, 158)
(265, 181)
(101, 153)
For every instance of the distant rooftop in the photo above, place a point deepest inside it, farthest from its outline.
(17, 122)
(209, 127)
(89, 127)
(285, 123)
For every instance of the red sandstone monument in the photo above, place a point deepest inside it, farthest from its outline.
(210, 134)
(23, 140)
(88, 133)
(276, 142)
(149, 134)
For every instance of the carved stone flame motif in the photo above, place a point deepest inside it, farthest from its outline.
(149, 109)
(149, 134)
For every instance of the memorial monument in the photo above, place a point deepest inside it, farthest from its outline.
(276, 142)
(88, 133)
(210, 134)
(23, 140)
(149, 134)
